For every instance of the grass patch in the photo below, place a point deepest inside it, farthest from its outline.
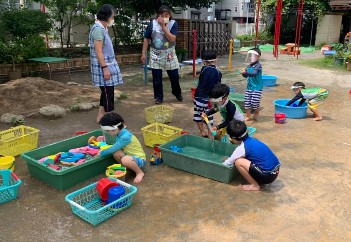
(323, 63)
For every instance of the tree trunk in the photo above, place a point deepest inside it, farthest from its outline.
(69, 23)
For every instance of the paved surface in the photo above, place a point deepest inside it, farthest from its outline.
(308, 202)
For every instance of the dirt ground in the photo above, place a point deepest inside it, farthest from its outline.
(308, 202)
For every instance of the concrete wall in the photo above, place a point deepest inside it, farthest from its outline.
(328, 29)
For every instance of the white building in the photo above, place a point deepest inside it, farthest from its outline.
(241, 11)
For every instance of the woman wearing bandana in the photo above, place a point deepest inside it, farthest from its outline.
(105, 71)
(161, 33)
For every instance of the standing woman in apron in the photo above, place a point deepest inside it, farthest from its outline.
(162, 34)
(105, 71)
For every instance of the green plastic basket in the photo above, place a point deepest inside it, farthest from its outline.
(86, 203)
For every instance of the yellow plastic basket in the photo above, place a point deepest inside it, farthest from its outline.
(17, 140)
(159, 133)
(159, 114)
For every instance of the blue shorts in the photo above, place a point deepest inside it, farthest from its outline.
(140, 162)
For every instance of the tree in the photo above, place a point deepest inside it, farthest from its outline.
(128, 29)
(149, 7)
(318, 7)
(65, 13)
(19, 38)
(312, 10)
(16, 22)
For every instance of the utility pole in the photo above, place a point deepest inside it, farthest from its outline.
(247, 14)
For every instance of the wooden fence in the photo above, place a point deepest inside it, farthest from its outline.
(209, 35)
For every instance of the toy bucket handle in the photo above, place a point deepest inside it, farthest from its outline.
(77, 205)
(14, 176)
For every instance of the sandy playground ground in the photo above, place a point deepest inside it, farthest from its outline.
(308, 202)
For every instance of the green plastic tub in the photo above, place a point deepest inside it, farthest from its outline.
(200, 156)
(239, 99)
(67, 178)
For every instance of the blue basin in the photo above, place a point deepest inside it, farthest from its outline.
(291, 111)
(269, 80)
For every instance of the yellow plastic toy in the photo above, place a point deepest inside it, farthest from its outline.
(204, 116)
(116, 171)
(105, 147)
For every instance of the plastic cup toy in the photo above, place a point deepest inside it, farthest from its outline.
(114, 194)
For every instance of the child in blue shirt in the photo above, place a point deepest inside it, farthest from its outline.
(127, 149)
(209, 77)
(253, 93)
(253, 159)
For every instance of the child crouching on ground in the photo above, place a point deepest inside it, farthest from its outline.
(254, 160)
(127, 149)
(314, 96)
(219, 99)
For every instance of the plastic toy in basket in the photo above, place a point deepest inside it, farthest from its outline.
(9, 184)
(86, 203)
(116, 171)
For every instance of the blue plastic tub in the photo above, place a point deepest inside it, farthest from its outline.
(269, 80)
(290, 111)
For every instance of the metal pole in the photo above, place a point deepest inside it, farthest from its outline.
(194, 52)
(145, 67)
(311, 32)
(46, 35)
(247, 16)
(230, 54)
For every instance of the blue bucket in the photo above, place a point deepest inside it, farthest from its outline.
(114, 193)
(269, 80)
(290, 111)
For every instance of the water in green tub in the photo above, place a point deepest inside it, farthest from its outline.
(201, 154)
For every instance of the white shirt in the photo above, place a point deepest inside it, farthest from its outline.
(239, 152)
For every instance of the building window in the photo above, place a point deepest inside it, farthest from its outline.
(236, 9)
(177, 10)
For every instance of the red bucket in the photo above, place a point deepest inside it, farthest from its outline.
(280, 118)
(103, 186)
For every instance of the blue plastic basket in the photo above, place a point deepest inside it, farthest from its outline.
(251, 131)
(86, 203)
(290, 111)
(9, 184)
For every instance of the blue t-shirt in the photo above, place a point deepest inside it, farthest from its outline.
(260, 154)
(148, 30)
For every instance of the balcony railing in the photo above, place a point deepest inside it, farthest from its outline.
(340, 4)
